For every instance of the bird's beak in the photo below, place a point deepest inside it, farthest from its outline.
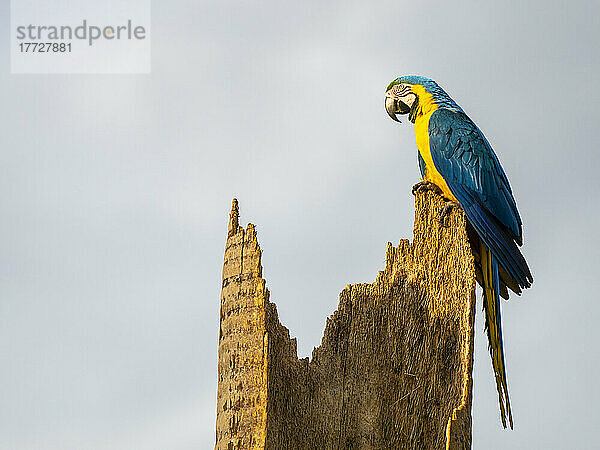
(391, 108)
(394, 106)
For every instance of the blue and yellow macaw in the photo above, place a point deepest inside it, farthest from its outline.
(457, 161)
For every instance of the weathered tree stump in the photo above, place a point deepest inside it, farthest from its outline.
(394, 368)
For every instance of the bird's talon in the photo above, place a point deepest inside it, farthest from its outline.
(436, 189)
(423, 186)
(449, 206)
(416, 188)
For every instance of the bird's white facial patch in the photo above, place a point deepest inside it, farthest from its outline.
(402, 92)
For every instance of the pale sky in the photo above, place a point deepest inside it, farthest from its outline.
(116, 190)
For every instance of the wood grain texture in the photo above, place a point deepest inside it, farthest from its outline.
(394, 368)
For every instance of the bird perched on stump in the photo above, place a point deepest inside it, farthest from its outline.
(457, 161)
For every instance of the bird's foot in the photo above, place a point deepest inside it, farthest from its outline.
(449, 206)
(423, 186)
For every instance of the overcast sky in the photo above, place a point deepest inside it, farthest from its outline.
(115, 193)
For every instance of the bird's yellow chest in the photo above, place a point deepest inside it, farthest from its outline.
(432, 175)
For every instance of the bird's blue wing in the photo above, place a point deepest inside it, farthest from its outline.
(466, 161)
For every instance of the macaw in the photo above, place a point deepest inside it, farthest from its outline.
(457, 161)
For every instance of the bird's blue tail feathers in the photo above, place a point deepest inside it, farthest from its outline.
(493, 324)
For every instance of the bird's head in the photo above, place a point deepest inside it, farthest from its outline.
(402, 95)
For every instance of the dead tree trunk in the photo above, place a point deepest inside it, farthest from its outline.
(394, 368)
